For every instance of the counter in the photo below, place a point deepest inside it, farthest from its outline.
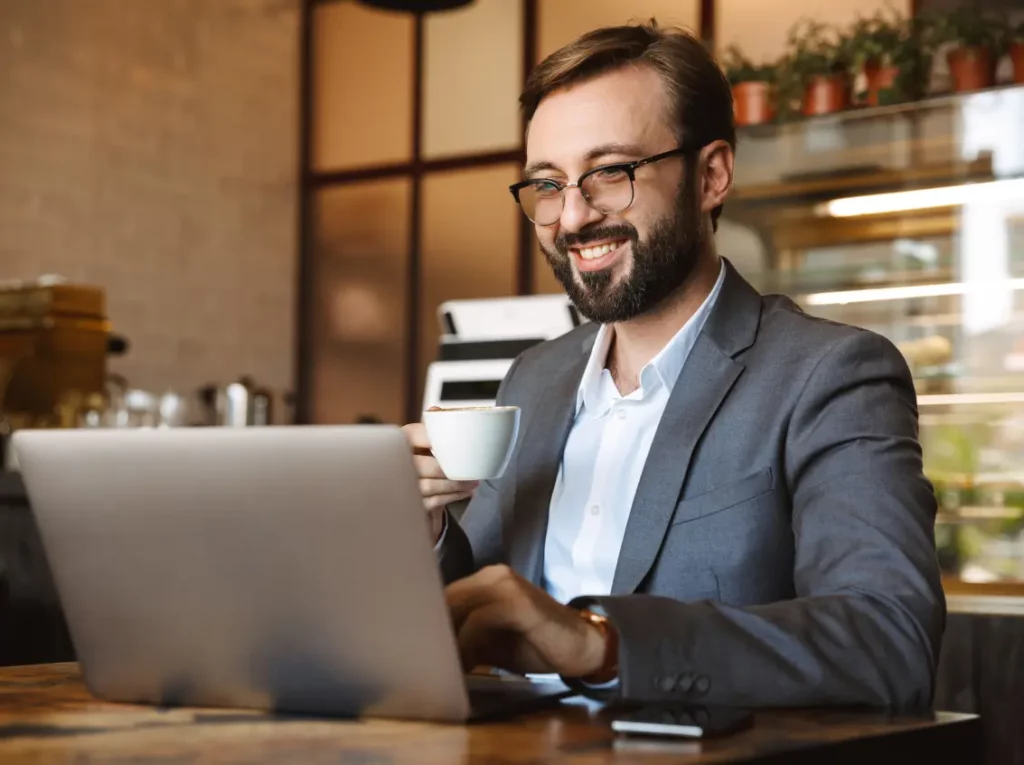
(45, 712)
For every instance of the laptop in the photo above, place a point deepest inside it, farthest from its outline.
(279, 568)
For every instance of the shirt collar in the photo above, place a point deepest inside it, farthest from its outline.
(597, 391)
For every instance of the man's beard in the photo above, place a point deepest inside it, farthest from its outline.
(661, 264)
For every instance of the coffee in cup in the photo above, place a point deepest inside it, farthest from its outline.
(472, 443)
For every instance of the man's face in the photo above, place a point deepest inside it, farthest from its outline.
(615, 267)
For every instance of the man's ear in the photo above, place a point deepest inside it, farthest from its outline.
(716, 169)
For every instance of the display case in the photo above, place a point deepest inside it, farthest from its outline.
(909, 221)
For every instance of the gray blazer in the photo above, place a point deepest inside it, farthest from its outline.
(780, 548)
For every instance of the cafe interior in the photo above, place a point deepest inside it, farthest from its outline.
(258, 213)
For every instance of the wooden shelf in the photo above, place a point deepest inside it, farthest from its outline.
(859, 180)
(995, 598)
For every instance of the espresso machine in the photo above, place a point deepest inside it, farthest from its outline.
(54, 340)
(481, 338)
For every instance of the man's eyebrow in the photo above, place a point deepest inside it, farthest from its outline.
(627, 149)
(535, 167)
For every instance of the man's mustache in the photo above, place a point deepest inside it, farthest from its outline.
(581, 239)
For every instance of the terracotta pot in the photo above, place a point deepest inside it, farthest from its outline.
(879, 78)
(752, 103)
(826, 94)
(1017, 57)
(972, 68)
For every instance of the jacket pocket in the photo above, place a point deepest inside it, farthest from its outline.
(724, 497)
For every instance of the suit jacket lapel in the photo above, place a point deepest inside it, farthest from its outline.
(704, 382)
(540, 455)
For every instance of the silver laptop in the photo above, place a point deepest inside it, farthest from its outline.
(279, 568)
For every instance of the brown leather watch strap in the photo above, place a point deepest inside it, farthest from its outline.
(609, 669)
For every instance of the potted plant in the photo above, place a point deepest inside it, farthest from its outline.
(978, 41)
(894, 54)
(1017, 52)
(753, 88)
(814, 77)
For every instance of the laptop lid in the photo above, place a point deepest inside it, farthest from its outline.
(284, 568)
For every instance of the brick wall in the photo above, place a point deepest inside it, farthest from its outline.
(150, 147)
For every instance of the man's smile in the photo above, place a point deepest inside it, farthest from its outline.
(596, 256)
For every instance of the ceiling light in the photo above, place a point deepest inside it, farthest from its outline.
(875, 294)
(988, 192)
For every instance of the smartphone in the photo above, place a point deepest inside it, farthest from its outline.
(684, 721)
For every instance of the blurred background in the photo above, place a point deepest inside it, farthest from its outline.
(259, 212)
(267, 211)
(255, 212)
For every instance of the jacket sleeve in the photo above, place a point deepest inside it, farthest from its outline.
(866, 625)
(473, 539)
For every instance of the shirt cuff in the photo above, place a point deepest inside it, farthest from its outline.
(611, 685)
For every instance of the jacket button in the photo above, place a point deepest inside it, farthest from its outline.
(667, 683)
(684, 683)
(702, 684)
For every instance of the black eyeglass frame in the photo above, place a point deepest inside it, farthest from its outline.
(629, 168)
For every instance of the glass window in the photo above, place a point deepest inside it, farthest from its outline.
(360, 246)
(561, 21)
(759, 29)
(469, 244)
(472, 75)
(361, 86)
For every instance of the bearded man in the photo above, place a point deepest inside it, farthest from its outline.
(714, 498)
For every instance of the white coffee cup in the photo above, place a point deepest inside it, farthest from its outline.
(472, 443)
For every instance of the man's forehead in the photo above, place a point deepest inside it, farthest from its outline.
(627, 106)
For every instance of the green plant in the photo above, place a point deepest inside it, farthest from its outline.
(890, 40)
(968, 27)
(813, 49)
(738, 68)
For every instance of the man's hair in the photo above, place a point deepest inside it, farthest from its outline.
(700, 94)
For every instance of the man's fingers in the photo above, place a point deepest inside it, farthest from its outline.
(427, 467)
(466, 595)
(484, 636)
(491, 584)
(416, 434)
(430, 487)
(442, 500)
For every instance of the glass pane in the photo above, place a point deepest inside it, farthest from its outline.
(760, 30)
(469, 244)
(361, 86)
(360, 241)
(561, 21)
(472, 75)
(909, 220)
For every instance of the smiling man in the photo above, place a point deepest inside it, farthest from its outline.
(714, 497)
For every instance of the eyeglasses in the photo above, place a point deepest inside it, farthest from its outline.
(608, 189)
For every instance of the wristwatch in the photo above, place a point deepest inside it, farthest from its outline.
(609, 669)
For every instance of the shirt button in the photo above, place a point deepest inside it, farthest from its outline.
(621, 414)
(595, 510)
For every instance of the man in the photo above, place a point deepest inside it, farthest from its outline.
(714, 497)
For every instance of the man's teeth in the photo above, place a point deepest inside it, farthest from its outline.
(589, 253)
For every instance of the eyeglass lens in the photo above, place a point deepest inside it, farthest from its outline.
(607, 190)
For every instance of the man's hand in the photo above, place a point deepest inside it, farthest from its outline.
(502, 620)
(436, 489)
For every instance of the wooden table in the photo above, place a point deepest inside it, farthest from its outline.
(46, 715)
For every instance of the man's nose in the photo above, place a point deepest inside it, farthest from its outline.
(576, 213)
